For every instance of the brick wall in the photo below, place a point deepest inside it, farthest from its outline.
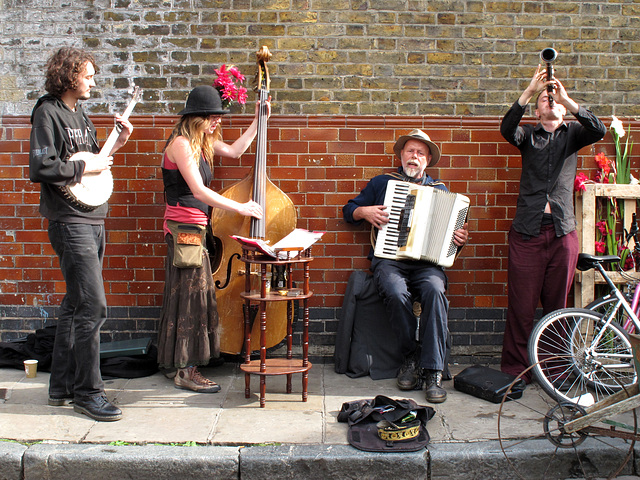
(320, 162)
(331, 57)
(348, 76)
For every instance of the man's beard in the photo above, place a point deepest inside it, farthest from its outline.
(413, 172)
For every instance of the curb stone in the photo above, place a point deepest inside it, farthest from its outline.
(11, 460)
(485, 460)
(450, 461)
(150, 462)
(319, 462)
(159, 462)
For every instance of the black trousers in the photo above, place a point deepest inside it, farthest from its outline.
(75, 364)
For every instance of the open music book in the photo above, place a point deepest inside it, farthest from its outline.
(288, 247)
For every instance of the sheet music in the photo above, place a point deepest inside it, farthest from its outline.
(288, 247)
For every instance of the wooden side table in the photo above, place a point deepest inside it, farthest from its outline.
(265, 367)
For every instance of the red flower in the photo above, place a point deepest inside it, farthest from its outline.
(604, 164)
(600, 247)
(579, 182)
(628, 261)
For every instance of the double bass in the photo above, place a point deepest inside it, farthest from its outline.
(279, 220)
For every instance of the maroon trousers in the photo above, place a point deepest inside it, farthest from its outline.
(540, 269)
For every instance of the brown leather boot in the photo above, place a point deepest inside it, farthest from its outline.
(191, 379)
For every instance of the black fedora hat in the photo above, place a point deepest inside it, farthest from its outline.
(203, 100)
(424, 138)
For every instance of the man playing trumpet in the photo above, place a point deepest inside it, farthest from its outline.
(543, 243)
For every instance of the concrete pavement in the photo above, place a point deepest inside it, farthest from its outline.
(168, 433)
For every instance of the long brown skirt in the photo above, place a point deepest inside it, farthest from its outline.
(188, 328)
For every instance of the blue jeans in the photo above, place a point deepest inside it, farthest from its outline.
(75, 364)
(399, 283)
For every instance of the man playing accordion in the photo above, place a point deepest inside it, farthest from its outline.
(400, 282)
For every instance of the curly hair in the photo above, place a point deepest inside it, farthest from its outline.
(63, 68)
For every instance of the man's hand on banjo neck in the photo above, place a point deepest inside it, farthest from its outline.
(96, 163)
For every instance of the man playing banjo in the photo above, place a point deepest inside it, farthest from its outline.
(60, 129)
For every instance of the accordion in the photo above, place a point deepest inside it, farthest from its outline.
(422, 220)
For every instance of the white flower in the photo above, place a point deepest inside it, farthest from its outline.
(633, 180)
(617, 127)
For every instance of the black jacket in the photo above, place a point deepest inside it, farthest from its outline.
(56, 134)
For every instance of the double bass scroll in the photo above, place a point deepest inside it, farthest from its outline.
(278, 221)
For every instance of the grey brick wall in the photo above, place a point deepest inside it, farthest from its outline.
(347, 57)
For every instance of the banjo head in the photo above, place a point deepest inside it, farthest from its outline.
(93, 190)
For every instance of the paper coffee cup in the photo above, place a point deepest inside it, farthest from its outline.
(31, 368)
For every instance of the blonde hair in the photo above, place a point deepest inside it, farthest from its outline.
(192, 128)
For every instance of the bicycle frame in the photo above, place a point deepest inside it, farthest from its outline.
(632, 319)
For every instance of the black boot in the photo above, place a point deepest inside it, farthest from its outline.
(433, 381)
(98, 408)
(409, 373)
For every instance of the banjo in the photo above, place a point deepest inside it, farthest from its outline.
(95, 188)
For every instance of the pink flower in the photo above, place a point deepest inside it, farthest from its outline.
(236, 73)
(600, 247)
(228, 84)
(579, 182)
(629, 263)
(602, 226)
(624, 251)
(242, 95)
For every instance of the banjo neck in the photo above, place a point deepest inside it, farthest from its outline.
(113, 136)
(94, 189)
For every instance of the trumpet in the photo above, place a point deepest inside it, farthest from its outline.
(548, 56)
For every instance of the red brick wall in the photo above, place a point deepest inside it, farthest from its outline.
(320, 162)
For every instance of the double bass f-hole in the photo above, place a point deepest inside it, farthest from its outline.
(229, 266)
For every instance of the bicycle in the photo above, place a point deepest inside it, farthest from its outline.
(591, 347)
(592, 353)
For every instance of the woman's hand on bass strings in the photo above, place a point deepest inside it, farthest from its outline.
(251, 209)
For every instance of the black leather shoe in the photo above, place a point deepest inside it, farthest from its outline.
(98, 408)
(409, 374)
(433, 380)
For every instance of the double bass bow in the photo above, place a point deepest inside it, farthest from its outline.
(279, 219)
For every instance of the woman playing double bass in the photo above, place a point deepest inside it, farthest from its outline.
(188, 329)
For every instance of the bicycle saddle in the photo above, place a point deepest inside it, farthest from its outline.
(587, 261)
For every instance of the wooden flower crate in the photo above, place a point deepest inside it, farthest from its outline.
(585, 203)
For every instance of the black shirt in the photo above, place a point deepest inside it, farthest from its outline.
(549, 162)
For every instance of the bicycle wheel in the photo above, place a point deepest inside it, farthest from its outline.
(591, 359)
(536, 445)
